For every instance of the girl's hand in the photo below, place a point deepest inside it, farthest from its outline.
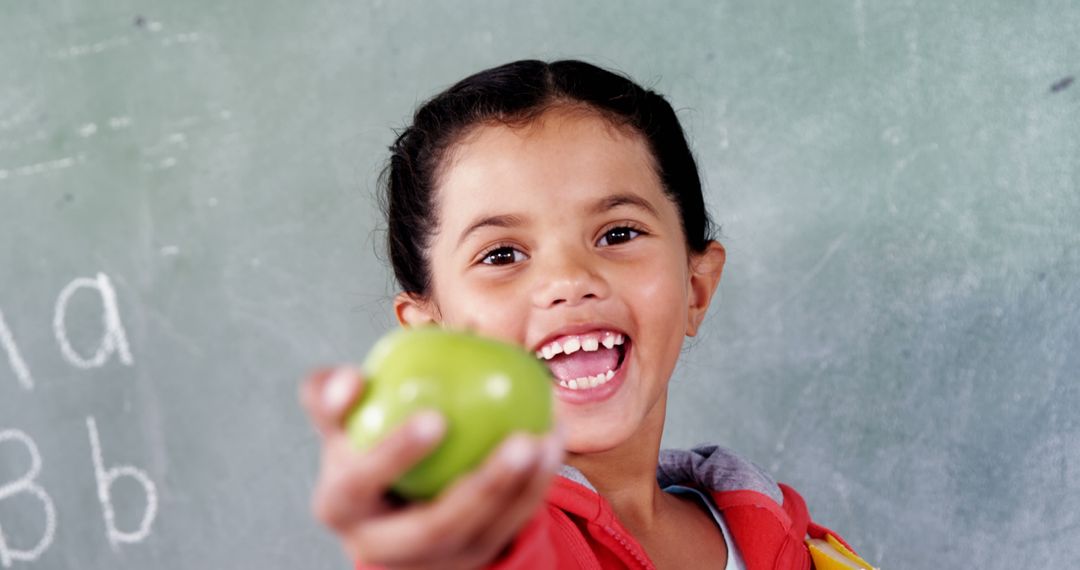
(466, 526)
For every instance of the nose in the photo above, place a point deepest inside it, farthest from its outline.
(569, 278)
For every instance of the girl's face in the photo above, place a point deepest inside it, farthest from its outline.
(559, 231)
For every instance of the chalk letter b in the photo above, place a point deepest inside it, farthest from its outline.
(26, 484)
(105, 479)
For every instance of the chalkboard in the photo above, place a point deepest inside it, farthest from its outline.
(187, 225)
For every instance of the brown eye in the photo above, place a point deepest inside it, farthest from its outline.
(618, 235)
(502, 256)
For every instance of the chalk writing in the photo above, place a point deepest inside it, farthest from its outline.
(15, 360)
(114, 339)
(27, 485)
(113, 342)
(105, 479)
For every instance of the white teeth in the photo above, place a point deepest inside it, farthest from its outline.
(587, 382)
(573, 343)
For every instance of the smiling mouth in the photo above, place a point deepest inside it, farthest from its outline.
(587, 369)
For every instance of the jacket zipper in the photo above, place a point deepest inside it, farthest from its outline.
(637, 556)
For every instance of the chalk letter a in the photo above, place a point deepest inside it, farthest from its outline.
(105, 479)
(26, 484)
(114, 338)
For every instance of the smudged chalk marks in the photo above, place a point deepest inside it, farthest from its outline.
(81, 50)
(117, 123)
(893, 135)
(64, 200)
(859, 10)
(181, 38)
(43, 167)
(140, 21)
(1062, 84)
(19, 118)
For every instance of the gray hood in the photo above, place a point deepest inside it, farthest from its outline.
(709, 466)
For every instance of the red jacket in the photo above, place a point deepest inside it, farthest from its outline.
(577, 529)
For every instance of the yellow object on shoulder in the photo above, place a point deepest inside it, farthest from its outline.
(831, 554)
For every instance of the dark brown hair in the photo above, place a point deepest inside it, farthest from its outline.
(515, 93)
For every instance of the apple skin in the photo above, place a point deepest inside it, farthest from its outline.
(485, 388)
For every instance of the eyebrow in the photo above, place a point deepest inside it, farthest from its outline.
(602, 205)
(499, 221)
(615, 200)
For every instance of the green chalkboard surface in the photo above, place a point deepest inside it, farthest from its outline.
(187, 225)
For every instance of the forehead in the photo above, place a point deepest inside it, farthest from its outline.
(564, 159)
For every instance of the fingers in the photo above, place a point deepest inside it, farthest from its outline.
(506, 524)
(510, 481)
(328, 395)
(466, 526)
(353, 483)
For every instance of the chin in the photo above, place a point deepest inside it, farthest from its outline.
(583, 442)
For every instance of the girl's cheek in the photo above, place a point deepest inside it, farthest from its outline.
(489, 309)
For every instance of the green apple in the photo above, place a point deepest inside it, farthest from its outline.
(485, 388)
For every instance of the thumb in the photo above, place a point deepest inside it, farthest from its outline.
(328, 394)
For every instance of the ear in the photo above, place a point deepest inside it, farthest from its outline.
(412, 310)
(705, 271)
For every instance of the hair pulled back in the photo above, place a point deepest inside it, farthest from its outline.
(515, 93)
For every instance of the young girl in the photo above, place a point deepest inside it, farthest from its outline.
(556, 206)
